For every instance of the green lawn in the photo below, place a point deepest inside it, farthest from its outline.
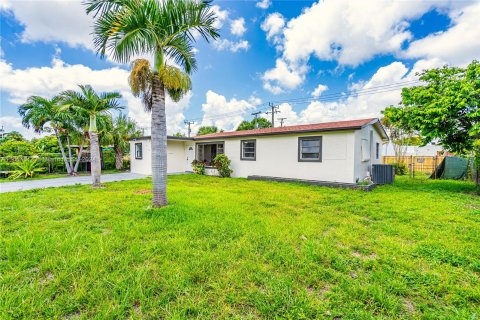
(232, 248)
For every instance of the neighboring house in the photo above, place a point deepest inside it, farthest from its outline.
(341, 151)
(430, 150)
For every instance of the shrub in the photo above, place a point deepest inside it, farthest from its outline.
(400, 168)
(26, 169)
(198, 167)
(16, 148)
(222, 163)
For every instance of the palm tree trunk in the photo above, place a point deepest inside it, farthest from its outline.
(118, 158)
(159, 145)
(70, 153)
(79, 157)
(67, 166)
(95, 159)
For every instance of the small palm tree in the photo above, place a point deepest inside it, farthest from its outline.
(123, 130)
(39, 113)
(94, 104)
(165, 29)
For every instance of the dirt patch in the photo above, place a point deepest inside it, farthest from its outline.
(409, 306)
(359, 255)
(143, 191)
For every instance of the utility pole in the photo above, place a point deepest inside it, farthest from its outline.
(188, 123)
(281, 121)
(255, 114)
(274, 110)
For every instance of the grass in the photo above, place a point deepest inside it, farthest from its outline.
(57, 175)
(232, 248)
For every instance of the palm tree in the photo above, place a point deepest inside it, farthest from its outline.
(164, 29)
(124, 129)
(89, 101)
(39, 112)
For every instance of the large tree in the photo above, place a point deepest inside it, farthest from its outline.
(165, 29)
(206, 130)
(43, 114)
(446, 108)
(257, 123)
(94, 104)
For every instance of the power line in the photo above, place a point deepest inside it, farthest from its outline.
(324, 98)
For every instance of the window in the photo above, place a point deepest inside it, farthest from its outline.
(310, 149)
(377, 150)
(248, 149)
(138, 151)
(206, 152)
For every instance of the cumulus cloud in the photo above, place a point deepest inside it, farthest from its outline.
(237, 27)
(361, 101)
(458, 45)
(225, 113)
(232, 46)
(222, 15)
(319, 90)
(283, 75)
(19, 84)
(273, 27)
(52, 21)
(263, 4)
(346, 33)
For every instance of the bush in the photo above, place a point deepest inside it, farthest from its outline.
(26, 169)
(400, 168)
(222, 163)
(108, 160)
(198, 167)
(16, 148)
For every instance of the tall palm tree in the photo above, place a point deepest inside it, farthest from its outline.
(89, 101)
(165, 29)
(123, 129)
(39, 113)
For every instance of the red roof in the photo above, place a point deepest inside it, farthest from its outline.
(325, 126)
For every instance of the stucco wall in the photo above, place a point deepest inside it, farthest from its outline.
(277, 156)
(363, 168)
(176, 157)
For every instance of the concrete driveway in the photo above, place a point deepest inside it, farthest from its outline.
(67, 181)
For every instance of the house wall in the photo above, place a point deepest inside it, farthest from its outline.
(277, 156)
(176, 157)
(363, 167)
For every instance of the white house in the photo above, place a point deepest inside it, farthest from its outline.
(341, 151)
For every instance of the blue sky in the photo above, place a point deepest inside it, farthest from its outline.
(344, 59)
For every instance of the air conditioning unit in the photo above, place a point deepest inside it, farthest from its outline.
(383, 173)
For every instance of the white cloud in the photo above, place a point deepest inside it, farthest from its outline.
(458, 45)
(283, 76)
(237, 27)
(52, 21)
(233, 46)
(222, 15)
(47, 81)
(273, 26)
(361, 100)
(225, 114)
(319, 90)
(263, 4)
(344, 31)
